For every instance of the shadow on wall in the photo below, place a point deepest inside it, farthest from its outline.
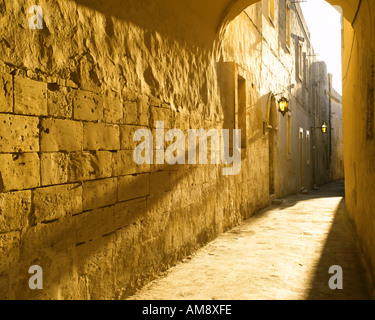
(112, 249)
(170, 13)
(121, 245)
(110, 252)
(81, 249)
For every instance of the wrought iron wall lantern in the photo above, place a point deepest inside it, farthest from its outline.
(324, 128)
(283, 105)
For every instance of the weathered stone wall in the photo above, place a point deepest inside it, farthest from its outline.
(359, 131)
(74, 202)
(136, 221)
(72, 199)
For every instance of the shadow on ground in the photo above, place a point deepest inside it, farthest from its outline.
(340, 250)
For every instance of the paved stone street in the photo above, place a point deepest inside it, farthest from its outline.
(283, 253)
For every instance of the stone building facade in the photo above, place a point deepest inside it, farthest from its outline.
(273, 55)
(337, 138)
(73, 94)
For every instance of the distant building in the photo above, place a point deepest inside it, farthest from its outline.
(269, 46)
(337, 141)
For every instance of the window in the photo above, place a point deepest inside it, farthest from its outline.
(300, 61)
(287, 27)
(289, 135)
(308, 146)
(271, 9)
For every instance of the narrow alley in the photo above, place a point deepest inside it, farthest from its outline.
(187, 150)
(284, 253)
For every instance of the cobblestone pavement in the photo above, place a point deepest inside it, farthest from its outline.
(281, 253)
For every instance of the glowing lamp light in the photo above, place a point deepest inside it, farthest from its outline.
(283, 106)
(324, 128)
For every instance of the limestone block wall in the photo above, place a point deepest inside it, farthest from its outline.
(359, 130)
(71, 96)
(72, 200)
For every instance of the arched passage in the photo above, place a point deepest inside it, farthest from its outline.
(158, 60)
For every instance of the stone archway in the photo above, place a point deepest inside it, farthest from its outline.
(349, 8)
(164, 49)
